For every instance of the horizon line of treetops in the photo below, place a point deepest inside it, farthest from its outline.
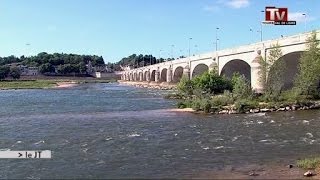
(47, 62)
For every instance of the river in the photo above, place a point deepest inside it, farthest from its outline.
(117, 131)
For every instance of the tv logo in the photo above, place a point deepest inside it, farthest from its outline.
(277, 16)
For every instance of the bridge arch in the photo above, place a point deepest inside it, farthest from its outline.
(140, 76)
(145, 75)
(163, 75)
(291, 63)
(199, 69)
(177, 75)
(237, 66)
(135, 76)
(153, 75)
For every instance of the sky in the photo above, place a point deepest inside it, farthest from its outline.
(118, 28)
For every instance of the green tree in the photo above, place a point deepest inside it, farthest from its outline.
(263, 72)
(15, 73)
(4, 71)
(82, 67)
(68, 68)
(241, 87)
(185, 86)
(212, 83)
(46, 68)
(307, 80)
(275, 69)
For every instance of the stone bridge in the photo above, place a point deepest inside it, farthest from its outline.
(243, 59)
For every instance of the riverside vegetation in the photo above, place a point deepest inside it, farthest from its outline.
(212, 93)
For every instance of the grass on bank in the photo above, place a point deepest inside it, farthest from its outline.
(41, 84)
(309, 163)
(30, 84)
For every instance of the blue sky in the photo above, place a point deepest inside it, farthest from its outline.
(118, 28)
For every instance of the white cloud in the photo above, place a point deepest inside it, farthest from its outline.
(236, 4)
(299, 17)
(211, 8)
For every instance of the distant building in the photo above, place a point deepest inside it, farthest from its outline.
(109, 70)
(29, 71)
(126, 68)
(32, 71)
(101, 68)
(89, 68)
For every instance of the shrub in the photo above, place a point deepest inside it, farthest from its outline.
(245, 105)
(4, 71)
(290, 95)
(241, 87)
(185, 86)
(211, 82)
(15, 73)
(221, 100)
(196, 104)
(205, 105)
(174, 96)
(181, 105)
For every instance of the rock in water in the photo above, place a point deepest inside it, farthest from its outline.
(265, 110)
(290, 166)
(308, 174)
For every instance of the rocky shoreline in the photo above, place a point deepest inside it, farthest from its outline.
(294, 107)
(150, 85)
(262, 108)
(259, 171)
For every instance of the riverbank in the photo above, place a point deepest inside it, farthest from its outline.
(261, 107)
(256, 171)
(150, 85)
(182, 110)
(47, 83)
(27, 84)
(66, 84)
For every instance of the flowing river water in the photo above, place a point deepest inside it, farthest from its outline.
(116, 131)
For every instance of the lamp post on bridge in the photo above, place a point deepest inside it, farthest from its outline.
(215, 44)
(258, 31)
(172, 46)
(305, 21)
(196, 49)
(189, 45)
(159, 55)
(261, 26)
(217, 28)
(181, 53)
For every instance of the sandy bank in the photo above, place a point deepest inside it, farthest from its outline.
(66, 84)
(150, 85)
(182, 110)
